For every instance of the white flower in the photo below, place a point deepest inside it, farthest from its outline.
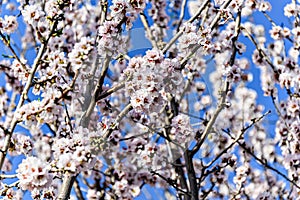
(140, 99)
(291, 9)
(154, 56)
(275, 32)
(32, 13)
(10, 24)
(66, 163)
(265, 6)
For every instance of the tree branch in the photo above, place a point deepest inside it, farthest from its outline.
(23, 97)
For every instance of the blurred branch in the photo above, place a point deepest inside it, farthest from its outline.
(77, 189)
(97, 90)
(104, 5)
(148, 30)
(182, 11)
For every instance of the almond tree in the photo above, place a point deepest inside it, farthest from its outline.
(83, 116)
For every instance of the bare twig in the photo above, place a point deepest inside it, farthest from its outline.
(148, 30)
(78, 192)
(6, 176)
(6, 187)
(242, 132)
(182, 11)
(7, 43)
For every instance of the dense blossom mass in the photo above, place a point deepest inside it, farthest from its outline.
(202, 103)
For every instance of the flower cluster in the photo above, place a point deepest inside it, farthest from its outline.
(80, 53)
(118, 9)
(291, 9)
(21, 144)
(152, 108)
(32, 14)
(158, 13)
(181, 130)
(20, 70)
(287, 132)
(73, 154)
(111, 43)
(241, 175)
(150, 77)
(38, 112)
(232, 73)
(33, 173)
(188, 40)
(10, 193)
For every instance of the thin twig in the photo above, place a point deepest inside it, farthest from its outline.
(6, 187)
(148, 30)
(212, 121)
(171, 182)
(111, 90)
(115, 125)
(6, 176)
(211, 27)
(264, 163)
(175, 37)
(7, 43)
(182, 11)
(242, 132)
(259, 49)
(78, 192)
